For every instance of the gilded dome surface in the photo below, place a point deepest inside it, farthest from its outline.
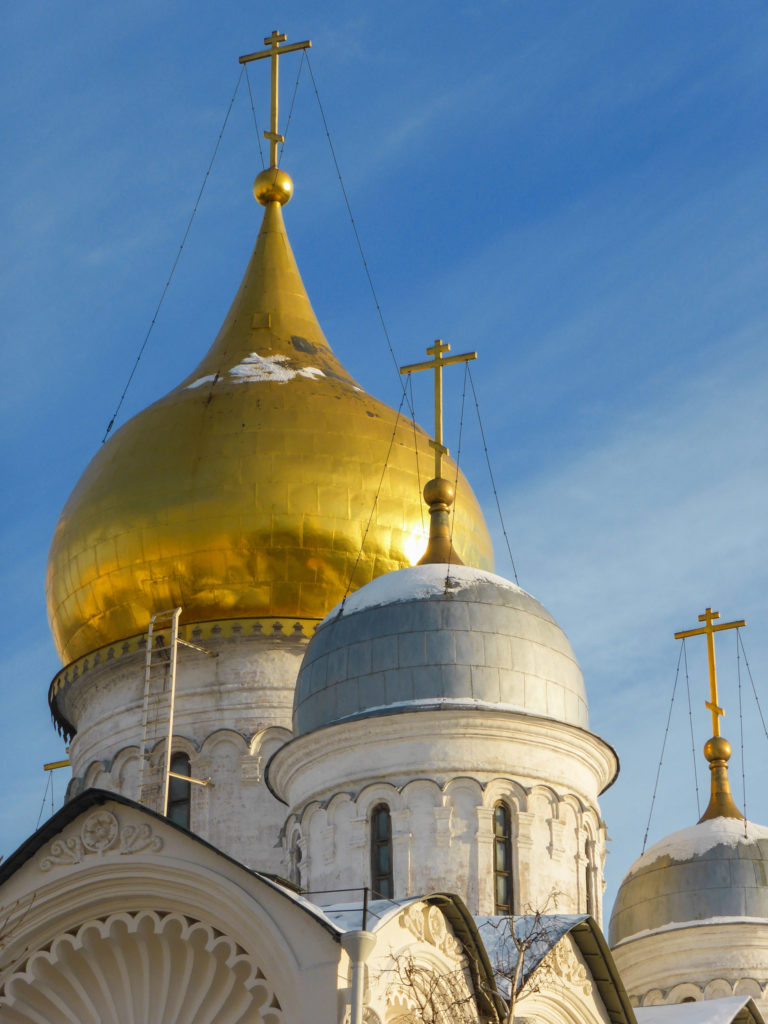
(710, 870)
(247, 490)
(437, 635)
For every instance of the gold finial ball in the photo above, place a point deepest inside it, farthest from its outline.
(273, 186)
(717, 749)
(439, 491)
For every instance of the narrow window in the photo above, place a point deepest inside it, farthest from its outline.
(381, 852)
(179, 792)
(502, 860)
(591, 901)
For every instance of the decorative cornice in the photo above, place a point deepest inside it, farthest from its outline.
(280, 629)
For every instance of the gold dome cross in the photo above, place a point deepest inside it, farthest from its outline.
(274, 52)
(710, 629)
(437, 365)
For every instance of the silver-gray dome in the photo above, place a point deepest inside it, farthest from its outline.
(709, 870)
(407, 641)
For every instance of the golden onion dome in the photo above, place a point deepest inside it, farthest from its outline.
(247, 491)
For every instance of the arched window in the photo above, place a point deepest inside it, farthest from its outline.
(179, 792)
(502, 860)
(381, 852)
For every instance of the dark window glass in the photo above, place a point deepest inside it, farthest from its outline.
(179, 792)
(591, 901)
(502, 859)
(381, 852)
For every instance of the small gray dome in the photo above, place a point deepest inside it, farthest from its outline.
(410, 641)
(710, 870)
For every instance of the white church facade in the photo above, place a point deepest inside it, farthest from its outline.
(392, 811)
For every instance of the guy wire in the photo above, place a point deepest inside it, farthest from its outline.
(663, 746)
(493, 482)
(693, 741)
(752, 682)
(375, 502)
(175, 262)
(290, 110)
(357, 236)
(456, 480)
(253, 112)
(741, 731)
(416, 447)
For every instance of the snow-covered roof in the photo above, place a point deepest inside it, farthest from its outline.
(699, 839)
(437, 636)
(705, 1011)
(534, 935)
(713, 871)
(418, 583)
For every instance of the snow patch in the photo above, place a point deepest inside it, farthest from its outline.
(418, 583)
(436, 703)
(673, 926)
(202, 380)
(255, 368)
(697, 840)
(704, 1011)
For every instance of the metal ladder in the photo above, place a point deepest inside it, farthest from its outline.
(159, 681)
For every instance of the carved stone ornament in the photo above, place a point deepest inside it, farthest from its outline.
(73, 977)
(569, 968)
(427, 924)
(100, 833)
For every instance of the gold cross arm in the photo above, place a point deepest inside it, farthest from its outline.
(274, 52)
(437, 363)
(709, 629)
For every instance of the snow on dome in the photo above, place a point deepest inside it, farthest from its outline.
(438, 636)
(707, 871)
(699, 839)
(417, 583)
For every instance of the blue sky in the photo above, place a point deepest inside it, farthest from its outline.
(576, 190)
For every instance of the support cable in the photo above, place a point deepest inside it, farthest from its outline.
(741, 732)
(175, 262)
(493, 482)
(752, 682)
(357, 236)
(693, 741)
(49, 782)
(253, 112)
(373, 507)
(663, 746)
(290, 110)
(456, 479)
(416, 447)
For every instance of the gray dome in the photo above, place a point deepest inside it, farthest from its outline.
(709, 870)
(407, 642)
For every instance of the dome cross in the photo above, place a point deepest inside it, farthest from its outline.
(437, 364)
(709, 630)
(274, 52)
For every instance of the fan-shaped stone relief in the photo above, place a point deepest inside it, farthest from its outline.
(138, 968)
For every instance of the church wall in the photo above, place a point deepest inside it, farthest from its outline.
(231, 714)
(442, 826)
(679, 963)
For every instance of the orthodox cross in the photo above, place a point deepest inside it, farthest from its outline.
(274, 52)
(437, 364)
(709, 629)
